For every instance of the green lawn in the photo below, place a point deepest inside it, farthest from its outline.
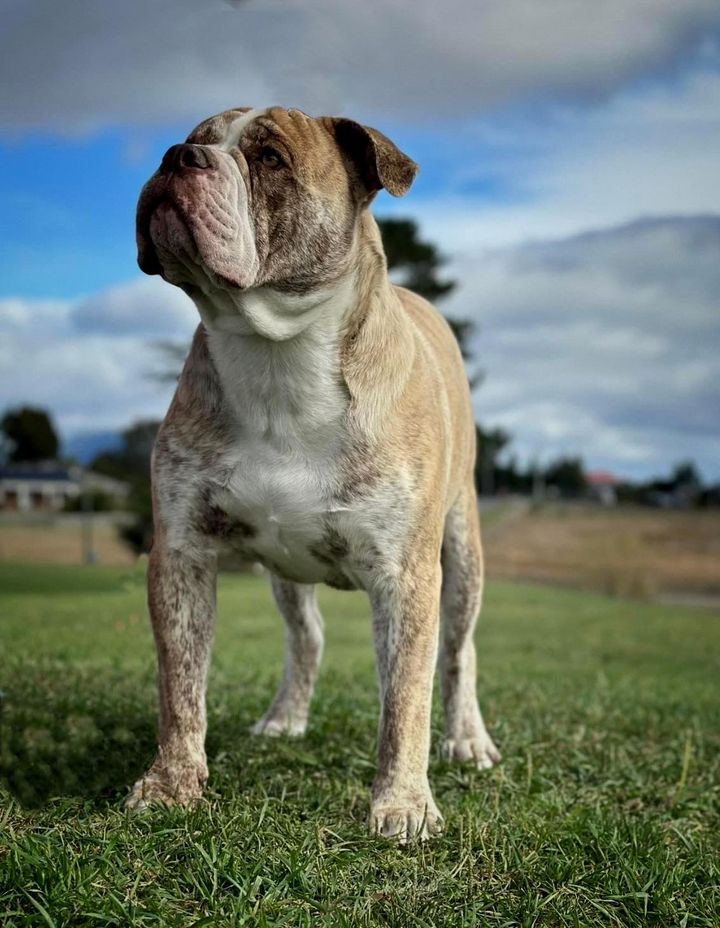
(603, 812)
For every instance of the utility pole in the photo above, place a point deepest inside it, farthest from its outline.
(538, 480)
(89, 554)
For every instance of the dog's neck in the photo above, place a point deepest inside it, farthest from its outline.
(278, 355)
(282, 389)
(272, 314)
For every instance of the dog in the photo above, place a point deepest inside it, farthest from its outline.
(322, 426)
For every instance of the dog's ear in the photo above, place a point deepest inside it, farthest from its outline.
(374, 162)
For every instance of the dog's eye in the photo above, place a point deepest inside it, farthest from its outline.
(270, 158)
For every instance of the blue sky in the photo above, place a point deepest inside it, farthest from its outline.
(569, 162)
(69, 211)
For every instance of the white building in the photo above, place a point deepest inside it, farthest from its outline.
(49, 485)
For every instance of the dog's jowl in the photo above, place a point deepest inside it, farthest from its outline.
(322, 426)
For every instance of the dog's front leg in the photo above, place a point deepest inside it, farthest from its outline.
(181, 596)
(405, 625)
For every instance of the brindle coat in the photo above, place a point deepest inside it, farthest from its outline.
(322, 425)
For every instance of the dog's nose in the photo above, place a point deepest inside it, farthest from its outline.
(184, 156)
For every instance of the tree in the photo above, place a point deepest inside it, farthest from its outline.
(490, 442)
(174, 354)
(29, 435)
(682, 488)
(420, 261)
(568, 475)
(132, 458)
(686, 476)
(131, 463)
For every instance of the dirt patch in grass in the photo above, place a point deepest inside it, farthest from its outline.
(624, 552)
(59, 540)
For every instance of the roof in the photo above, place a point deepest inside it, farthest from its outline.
(55, 472)
(602, 478)
(41, 474)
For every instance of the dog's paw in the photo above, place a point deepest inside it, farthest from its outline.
(161, 788)
(276, 725)
(405, 820)
(479, 750)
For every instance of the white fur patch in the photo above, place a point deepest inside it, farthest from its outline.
(281, 369)
(272, 314)
(235, 129)
(279, 316)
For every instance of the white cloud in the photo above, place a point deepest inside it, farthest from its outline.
(647, 152)
(85, 360)
(148, 307)
(79, 66)
(603, 344)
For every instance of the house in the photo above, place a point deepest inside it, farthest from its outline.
(46, 486)
(602, 487)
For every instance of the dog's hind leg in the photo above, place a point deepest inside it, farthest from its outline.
(466, 738)
(288, 713)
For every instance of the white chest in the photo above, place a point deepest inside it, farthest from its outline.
(284, 497)
(280, 475)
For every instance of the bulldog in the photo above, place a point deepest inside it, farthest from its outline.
(322, 426)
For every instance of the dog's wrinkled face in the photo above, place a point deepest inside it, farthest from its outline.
(264, 197)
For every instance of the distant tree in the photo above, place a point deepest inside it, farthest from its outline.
(29, 435)
(132, 458)
(490, 443)
(686, 476)
(174, 354)
(131, 463)
(420, 261)
(139, 533)
(511, 478)
(710, 496)
(567, 474)
(682, 488)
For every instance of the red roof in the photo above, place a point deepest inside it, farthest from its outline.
(602, 478)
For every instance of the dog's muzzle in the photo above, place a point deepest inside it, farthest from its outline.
(193, 219)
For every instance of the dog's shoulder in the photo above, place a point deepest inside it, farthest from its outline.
(199, 387)
(432, 325)
(194, 426)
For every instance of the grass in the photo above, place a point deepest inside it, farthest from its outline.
(604, 811)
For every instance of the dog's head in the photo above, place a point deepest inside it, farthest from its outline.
(264, 197)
